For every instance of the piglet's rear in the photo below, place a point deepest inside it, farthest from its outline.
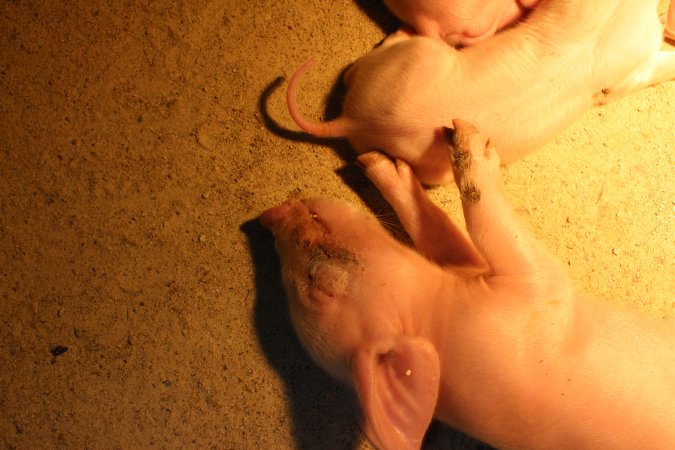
(521, 87)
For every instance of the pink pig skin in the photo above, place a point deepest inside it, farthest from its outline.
(484, 332)
(670, 21)
(462, 22)
(521, 87)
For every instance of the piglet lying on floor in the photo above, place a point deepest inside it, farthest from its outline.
(484, 334)
(521, 87)
(459, 22)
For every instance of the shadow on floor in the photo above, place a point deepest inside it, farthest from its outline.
(322, 412)
(379, 15)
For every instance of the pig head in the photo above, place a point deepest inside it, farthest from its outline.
(354, 293)
(459, 22)
(521, 87)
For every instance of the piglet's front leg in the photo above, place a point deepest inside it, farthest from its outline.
(434, 234)
(510, 250)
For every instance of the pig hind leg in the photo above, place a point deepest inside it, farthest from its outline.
(659, 66)
(663, 68)
(431, 230)
(659, 69)
(512, 253)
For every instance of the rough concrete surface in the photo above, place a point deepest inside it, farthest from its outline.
(140, 300)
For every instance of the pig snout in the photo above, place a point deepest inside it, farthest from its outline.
(302, 242)
(317, 269)
(294, 217)
(274, 218)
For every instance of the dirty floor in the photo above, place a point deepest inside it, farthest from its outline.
(140, 302)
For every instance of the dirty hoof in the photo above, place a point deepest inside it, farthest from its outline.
(465, 144)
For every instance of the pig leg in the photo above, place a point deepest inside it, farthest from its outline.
(430, 229)
(510, 250)
(659, 69)
(664, 67)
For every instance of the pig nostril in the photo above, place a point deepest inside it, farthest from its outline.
(449, 134)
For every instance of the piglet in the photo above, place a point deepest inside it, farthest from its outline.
(521, 87)
(483, 333)
(459, 22)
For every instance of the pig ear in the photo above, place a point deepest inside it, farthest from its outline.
(397, 384)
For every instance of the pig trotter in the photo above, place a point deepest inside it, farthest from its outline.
(431, 230)
(461, 157)
(469, 192)
(460, 144)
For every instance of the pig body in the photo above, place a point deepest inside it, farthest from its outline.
(566, 57)
(459, 22)
(484, 332)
